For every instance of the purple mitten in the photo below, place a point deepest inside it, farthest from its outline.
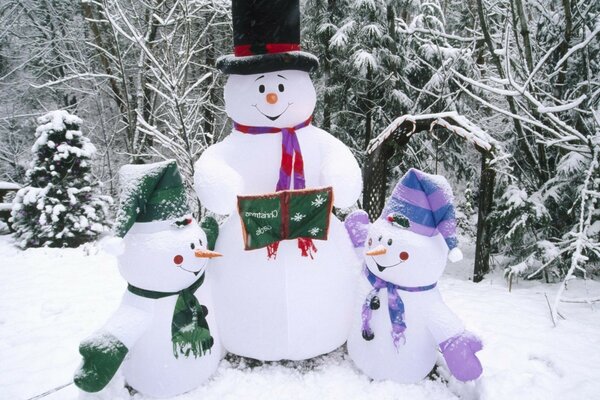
(357, 225)
(459, 353)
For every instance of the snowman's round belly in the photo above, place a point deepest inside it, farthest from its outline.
(291, 307)
(379, 358)
(152, 369)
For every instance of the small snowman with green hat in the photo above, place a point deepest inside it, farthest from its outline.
(162, 339)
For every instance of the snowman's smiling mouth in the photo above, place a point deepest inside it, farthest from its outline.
(381, 268)
(192, 272)
(272, 118)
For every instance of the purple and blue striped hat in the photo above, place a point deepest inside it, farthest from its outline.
(425, 200)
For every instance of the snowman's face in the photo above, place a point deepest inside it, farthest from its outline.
(402, 257)
(278, 99)
(168, 260)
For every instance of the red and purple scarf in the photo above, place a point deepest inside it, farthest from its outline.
(291, 164)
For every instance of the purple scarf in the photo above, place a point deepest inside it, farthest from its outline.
(395, 306)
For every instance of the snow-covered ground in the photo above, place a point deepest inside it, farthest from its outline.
(50, 299)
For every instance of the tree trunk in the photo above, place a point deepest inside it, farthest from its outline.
(523, 139)
(208, 114)
(486, 197)
(564, 47)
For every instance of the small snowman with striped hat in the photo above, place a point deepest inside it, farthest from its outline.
(402, 320)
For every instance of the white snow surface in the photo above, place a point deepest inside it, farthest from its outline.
(51, 299)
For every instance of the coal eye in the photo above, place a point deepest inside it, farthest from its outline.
(200, 241)
(389, 242)
(261, 88)
(193, 246)
(370, 241)
(281, 87)
(380, 237)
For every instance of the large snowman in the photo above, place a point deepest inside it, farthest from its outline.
(162, 339)
(402, 321)
(295, 304)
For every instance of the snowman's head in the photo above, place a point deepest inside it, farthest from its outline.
(164, 257)
(405, 258)
(278, 99)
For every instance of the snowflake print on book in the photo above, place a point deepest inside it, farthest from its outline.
(314, 231)
(298, 217)
(318, 201)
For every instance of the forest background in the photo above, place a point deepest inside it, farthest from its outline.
(524, 74)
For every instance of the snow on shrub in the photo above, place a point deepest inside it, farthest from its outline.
(59, 205)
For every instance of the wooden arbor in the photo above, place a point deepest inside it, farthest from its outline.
(399, 133)
(5, 203)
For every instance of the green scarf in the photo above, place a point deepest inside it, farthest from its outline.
(189, 330)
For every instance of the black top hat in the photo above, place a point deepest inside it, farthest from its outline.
(266, 38)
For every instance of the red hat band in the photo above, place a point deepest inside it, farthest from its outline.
(245, 50)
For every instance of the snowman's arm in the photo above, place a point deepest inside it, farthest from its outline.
(442, 322)
(340, 170)
(216, 183)
(104, 351)
(457, 345)
(357, 225)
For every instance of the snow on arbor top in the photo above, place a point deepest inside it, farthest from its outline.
(9, 186)
(450, 120)
(57, 121)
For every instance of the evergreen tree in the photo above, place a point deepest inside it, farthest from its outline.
(381, 59)
(59, 207)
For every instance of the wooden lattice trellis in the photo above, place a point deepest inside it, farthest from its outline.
(398, 134)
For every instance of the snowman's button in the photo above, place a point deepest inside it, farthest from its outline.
(368, 336)
(375, 303)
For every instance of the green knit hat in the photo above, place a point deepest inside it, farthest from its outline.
(150, 192)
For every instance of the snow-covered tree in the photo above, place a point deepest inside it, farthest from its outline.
(161, 58)
(59, 206)
(542, 75)
(380, 60)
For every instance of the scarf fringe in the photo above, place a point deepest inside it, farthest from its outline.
(306, 246)
(396, 338)
(192, 346)
(272, 250)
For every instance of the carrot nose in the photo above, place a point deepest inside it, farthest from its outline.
(377, 251)
(272, 98)
(207, 254)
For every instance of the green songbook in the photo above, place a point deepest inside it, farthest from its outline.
(288, 214)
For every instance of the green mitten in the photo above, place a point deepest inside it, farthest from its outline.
(211, 228)
(102, 357)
